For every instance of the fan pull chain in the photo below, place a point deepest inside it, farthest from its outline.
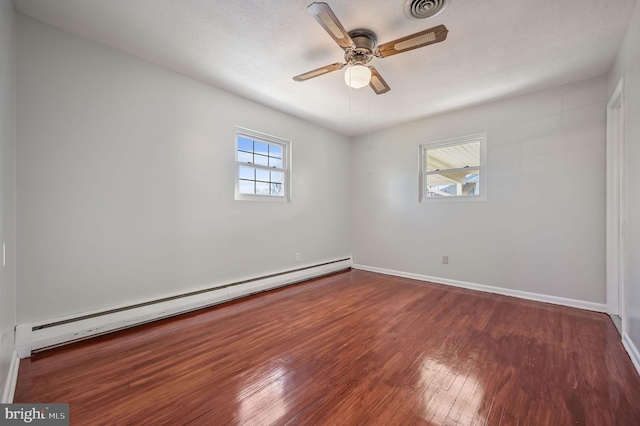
(369, 129)
(350, 89)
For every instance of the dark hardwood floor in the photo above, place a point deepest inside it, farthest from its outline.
(351, 348)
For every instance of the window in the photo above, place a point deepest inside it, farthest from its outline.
(262, 168)
(454, 169)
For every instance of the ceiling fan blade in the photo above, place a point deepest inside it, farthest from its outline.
(377, 83)
(413, 41)
(325, 17)
(318, 72)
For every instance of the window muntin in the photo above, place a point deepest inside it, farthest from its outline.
(454, 169)
(261, 166)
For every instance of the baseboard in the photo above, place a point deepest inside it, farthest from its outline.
(55, 332)
(12, 380)
(581, 304)
(632, 350)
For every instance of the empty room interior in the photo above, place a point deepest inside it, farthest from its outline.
(351, 212)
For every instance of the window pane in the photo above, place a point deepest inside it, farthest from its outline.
(247, 187)
(454, 157)
(262, 175)
(276, 189)
(277, 177)
(275, 151)
(247, 173)
(245, 144)
(245, 157)
(261, 160)
(275, 162)
(452, 184)
(261, 148)
(262, 188)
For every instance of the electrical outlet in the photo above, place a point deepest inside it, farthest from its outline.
(297, 257)
(445, 260)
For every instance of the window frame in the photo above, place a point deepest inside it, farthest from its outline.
(482, 168)
(286, 165)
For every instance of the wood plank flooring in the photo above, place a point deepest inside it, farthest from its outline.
(354, 348)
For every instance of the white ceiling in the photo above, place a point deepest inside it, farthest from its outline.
(494, 49)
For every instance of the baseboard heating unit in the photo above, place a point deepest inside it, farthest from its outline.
(36, 337)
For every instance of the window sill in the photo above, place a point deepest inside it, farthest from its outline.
(473, 198)
(263, 198)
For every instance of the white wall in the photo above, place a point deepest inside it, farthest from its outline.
(541, 229)
(7, 186)
(627, 65)
(126, 182)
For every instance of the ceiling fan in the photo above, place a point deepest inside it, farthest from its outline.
(360, 47)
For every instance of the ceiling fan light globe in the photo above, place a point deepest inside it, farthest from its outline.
(357, 76)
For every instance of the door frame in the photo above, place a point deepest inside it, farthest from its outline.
(615, 260)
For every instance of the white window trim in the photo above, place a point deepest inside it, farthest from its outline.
(286, 163)
(482, 169)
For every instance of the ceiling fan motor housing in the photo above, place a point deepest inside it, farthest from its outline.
(365, 41)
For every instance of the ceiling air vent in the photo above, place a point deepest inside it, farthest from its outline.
(422, 9)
